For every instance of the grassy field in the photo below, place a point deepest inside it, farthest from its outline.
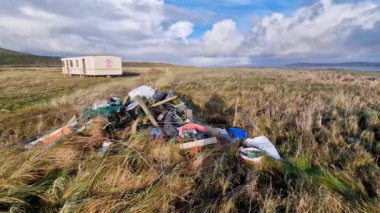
(326, 126)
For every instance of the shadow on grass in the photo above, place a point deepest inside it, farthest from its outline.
(125, 74)
(130, 74)
(214, 112)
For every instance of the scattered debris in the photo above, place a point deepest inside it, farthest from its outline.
(251, 156)
(238, 133)
(193, 130)
(99, 103)
(142, 91)
(257, 148)
(164, 101)
(263, 144)
(156, 133)
(105, 146)
(49, 139)
(198, 143)
(140, 101)
(166, 117)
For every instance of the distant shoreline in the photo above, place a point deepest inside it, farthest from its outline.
(337, 68)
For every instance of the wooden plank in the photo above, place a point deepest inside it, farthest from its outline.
(84, 127)
(125, 101)
(199, 143)
(51, 137)
(73, 121)
(236, 112)
(140, 101)
(55, 135)
(164, 101)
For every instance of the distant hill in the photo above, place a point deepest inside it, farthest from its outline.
(15, 59)
(345, 64)
(10, 52)
(147, 64)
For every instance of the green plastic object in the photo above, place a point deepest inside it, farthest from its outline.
(105, 112)
(253, 154)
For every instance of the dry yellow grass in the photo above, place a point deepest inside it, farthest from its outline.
(325, 124)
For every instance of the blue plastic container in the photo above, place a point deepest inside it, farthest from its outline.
(238, 133)
(156, 133)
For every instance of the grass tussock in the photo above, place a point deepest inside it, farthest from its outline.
(324, 124)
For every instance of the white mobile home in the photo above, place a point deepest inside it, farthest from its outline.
(92, 66)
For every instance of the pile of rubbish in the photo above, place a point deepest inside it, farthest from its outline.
(167, 117)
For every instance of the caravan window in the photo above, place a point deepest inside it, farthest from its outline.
(71, 63)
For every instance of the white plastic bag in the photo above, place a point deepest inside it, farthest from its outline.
(142, 91)
(99, 103)
(264, 144)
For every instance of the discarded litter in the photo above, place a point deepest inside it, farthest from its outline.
(251, 156)
(50, 138)
(99, 103)
(156, 133)
(166, 117)
(142, 91)
(193, 131)
(105, 146)
(257, 148)
(198, 143)
(238, 133)
(115, 101)
(263, 143)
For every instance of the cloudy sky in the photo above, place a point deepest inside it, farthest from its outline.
(196, 32)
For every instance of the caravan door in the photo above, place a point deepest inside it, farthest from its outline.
(84, 66)
(67, 67)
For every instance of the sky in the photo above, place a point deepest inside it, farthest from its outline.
(196, 32)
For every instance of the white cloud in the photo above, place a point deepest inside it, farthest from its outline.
(33, 22)
(326, 3)
(58, 28)
(180, 30)
(321, 29)
(220, 61)
(223, 39)
(143, 30)
(140, 17)
(34, 28)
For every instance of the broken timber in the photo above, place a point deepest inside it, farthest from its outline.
(140, 101)
(164, 101)
(57, 134)
(199, 143)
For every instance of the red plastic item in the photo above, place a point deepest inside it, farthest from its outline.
(191, 126)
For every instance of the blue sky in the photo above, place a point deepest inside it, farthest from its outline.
(242, 11)
(197, 32)
(233, 7)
